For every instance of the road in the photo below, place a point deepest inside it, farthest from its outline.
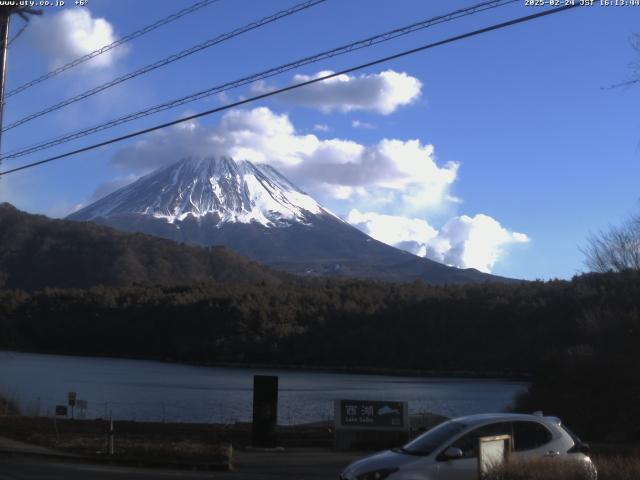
(32, 468)
(299, 464)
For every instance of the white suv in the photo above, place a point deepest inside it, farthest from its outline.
(448, 451)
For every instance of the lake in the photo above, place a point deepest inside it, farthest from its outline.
(155, 391)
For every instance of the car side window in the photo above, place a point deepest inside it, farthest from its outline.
(529, 435)
(468, 443)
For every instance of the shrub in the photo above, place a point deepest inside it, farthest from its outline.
(8, 407)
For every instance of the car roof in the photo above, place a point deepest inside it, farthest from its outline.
(479, 419)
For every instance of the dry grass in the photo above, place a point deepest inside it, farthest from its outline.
(618, 468)
(139, 447)
(543, 469)
(609, 468)
(184, 449)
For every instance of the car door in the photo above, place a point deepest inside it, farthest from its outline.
(533, 440)
(466, 467)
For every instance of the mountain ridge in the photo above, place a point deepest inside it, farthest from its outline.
(38, 252)
(257, 212)
(238, 192)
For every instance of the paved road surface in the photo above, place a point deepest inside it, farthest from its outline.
(31, 468)
(299, 464)
(10, 445)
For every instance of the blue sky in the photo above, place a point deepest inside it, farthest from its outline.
(501, 152)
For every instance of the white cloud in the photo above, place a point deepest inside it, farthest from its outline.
(391, 169)
(71, 33)
(477, 242)
(257, 135)
(410, 234)
(382, 92)
(161, 149)
(111, 186)
(321, 127)
(224, 98)
(363, 125)
(401, 178)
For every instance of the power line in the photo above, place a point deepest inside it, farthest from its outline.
(5, 15)
(138, 33)
(296, 86)
(17, 34)
(167, 60)
(368, 42)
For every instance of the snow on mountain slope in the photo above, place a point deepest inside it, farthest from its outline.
(235, 192)
(255, 211)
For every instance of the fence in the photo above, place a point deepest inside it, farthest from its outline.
(173, 411)
(225, 413)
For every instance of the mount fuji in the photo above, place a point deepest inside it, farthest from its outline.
(257, 212)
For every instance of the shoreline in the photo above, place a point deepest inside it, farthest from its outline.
(357, 370)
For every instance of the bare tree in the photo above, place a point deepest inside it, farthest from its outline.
(616, 249)
(634, 66)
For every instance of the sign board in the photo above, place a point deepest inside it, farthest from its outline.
(492, 452)
(71, 396)
(371, 415)
(61, 410)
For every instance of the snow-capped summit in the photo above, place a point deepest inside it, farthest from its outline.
(257, 212)
(230, 191)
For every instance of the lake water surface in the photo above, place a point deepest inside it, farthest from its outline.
(147, 390)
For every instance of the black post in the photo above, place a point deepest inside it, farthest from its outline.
(112, 436)
(265, 411)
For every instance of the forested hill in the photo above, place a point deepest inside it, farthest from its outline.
(578, 338)
(37, 252)
(329, 322)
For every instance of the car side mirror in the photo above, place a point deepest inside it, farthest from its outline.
(452, 453)
(585, 448)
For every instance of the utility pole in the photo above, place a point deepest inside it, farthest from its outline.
(4, 37)
(5, 15)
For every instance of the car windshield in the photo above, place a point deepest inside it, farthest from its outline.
(428, 441)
